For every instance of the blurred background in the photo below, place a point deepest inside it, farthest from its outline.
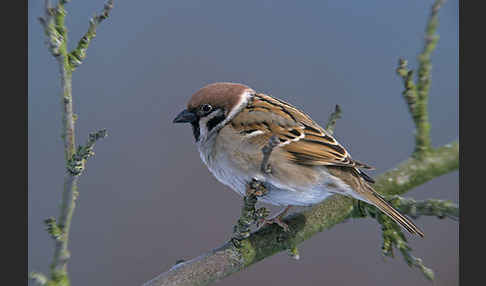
(146, 199)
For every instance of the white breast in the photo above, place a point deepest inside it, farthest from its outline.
(221, 166)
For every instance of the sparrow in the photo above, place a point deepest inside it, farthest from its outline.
(231, 123)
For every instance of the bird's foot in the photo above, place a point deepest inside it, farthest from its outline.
(278, 220)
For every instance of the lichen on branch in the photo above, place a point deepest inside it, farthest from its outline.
(392, 233)
(335, 115)
(416, 93)
(269, 240)
(55, 30)
(76, 164)
(77, 56)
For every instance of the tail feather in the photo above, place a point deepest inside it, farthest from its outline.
(374, 198)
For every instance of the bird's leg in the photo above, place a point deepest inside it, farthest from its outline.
(255, 189)
(266, 169)
(267, 150)
(276, 219)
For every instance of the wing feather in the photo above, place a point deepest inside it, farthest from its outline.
(304, 141)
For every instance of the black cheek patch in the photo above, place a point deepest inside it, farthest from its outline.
(213, 122)
(195, 130)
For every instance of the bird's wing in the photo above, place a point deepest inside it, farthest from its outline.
(303, 140)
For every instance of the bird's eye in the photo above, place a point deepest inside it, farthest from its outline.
(206, 108)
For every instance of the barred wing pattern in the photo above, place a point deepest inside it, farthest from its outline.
(305, 142)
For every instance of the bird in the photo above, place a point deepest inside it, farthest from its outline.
(232, 123)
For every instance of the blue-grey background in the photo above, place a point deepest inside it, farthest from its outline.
(146, 199)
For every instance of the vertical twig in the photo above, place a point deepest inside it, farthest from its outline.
(423, 83)
(53, 23)
(416, 94)
(335, 115)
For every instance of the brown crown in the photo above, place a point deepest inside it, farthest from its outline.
(219, 95)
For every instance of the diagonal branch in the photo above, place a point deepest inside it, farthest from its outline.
(432, 207)
(77, 56)
(226, 260)
(77, 163)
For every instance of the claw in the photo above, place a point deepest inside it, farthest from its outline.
(276, 219)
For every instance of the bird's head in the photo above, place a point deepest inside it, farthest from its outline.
(211, 107)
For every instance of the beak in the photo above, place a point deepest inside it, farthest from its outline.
(185, 116)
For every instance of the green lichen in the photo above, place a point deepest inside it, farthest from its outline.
(56, 32)
(272, 239)
(77, 56)
(58, 278)
(247, 252)
(76, 164)
(54, 230)
(38, 278)
(416, 94)
(331, 123)
(393, 237)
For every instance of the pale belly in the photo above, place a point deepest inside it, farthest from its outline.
(236, 175)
